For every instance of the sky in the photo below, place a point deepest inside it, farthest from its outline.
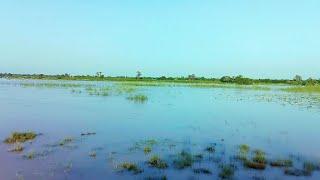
(211, 38)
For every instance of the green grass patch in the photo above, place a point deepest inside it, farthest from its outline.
(303, 89)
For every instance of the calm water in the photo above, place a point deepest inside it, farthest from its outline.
(178, 118)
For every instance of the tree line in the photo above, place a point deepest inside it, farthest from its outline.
(99, 76)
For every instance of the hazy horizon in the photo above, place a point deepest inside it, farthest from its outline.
(265, 39)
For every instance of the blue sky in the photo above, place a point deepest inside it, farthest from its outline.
(256, 38)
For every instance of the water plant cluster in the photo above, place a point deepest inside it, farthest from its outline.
(168, 154)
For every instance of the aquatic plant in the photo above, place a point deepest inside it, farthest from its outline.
(259, 157)
(88, 133)
(17, 148)
(93, 154)
(202, 171)
(243, 152)
(156, 162)
(138, 98)
(66, 140)
(30, 155)
(227, 171)
(282, 163)
(244, 148)
(147, 149)
(210, 149)
(254, 165)
(309, 166)
(20, 137)
(131, 167)
(183, 160)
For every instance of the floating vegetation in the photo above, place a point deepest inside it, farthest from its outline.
(259, 157)
(88, 134)
(202, 171)
(139, 98)
(243, 152)
(281, 163)
(147, 149)
(131, 167)
(93, 154)
(254, 165)
(183, 160)
(227, 171)
(156, 162)
(17, 148)
(20, 137)
(66, 140)
(30, 155)
(210, 149)
(309, 167)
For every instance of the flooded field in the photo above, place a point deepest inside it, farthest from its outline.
(108, 130)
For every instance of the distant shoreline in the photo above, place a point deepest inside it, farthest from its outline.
(189, 79)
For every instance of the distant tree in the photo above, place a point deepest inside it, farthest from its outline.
(226, 79)
(163, 78)
(99, 75)
(243, 80)
(41, 76)
(139, 74)
(192, 76)
(310, 82)
(297, 78)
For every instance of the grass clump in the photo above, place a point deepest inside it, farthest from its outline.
(156, 162)
(254, 165)
(138, 98)
(17, 148)
(20, 137)
(243, 152)
(131, 167)
(259, 157)
(210, 149)
(30, 155)
(147, 149)
(227, 172)
(66, 140)
(309, 167)
(282, 163)
(258, 161)
(93, 154)
(183, 160)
